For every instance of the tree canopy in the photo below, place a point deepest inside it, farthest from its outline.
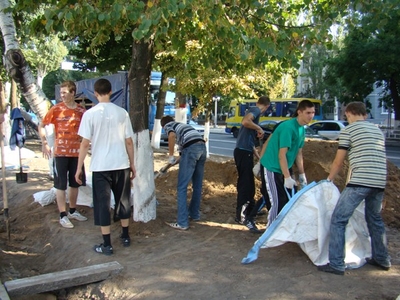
(369, 58)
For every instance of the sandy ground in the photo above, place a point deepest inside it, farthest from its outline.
(201, 263)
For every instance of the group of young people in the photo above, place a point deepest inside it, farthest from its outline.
(361, 141)
(107, 129)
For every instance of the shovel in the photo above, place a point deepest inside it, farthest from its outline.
(164, 169)
(21, 177)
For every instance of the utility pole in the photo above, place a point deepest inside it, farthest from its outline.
(216, 99)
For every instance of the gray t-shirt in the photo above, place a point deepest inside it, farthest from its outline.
(367, 154)
(246, 136)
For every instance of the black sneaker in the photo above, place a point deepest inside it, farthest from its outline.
(126, 241)
(327, 268)
(107, 250)
(252, 226)
(371, 261)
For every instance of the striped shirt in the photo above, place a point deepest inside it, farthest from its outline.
(365, 144)
(185, 134)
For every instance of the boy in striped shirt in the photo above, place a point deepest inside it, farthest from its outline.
(364, 144)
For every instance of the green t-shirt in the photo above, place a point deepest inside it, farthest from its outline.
(290, 134)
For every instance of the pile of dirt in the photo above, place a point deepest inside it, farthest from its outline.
(201, 263)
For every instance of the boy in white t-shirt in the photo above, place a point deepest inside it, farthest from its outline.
(108, 129)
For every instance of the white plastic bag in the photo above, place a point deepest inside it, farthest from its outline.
(45, 197)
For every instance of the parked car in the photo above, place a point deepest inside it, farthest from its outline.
(329, 128)
(192, 123)
(268, 127)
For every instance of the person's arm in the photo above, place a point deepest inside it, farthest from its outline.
(283, 162)
(130, 151)
(83, 150)
(337, 163)
(247, 122)
(46, 150)
(171, 146)
(299, 161)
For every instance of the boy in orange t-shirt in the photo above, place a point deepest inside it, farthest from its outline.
(66, 118)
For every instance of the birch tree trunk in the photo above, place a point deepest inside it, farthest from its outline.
(16, 65)
(144, 197)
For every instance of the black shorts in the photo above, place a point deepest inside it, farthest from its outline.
(119, 183)
(64, 172)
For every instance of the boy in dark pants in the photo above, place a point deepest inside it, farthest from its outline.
(108, 129)
(244, 158)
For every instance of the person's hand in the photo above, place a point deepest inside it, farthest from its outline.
(260, 133)
(172, 160)
(133, 171)
(46, 150)
(256, 170)
(302, 180)
(78, 175)
(290, 183)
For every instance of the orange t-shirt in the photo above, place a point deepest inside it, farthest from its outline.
(66, 124)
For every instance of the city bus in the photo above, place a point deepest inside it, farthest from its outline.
(280, 109)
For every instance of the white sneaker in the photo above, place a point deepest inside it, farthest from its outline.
(77, 216)
(66, 223)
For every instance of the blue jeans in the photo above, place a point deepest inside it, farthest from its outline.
(350, 198)
(191, 168)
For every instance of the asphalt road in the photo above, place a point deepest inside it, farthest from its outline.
(223, 144)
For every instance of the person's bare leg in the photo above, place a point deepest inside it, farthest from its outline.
(60, 196)
(73, 197)
(105, 230)
(124, 222)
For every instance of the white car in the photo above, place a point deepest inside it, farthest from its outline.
(329, 129)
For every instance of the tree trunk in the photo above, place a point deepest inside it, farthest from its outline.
(156, 134)
(14, 99)
(180, 108)
(144, 197)
(396, 99)
(16, 65)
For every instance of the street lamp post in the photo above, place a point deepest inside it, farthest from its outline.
(216, 99)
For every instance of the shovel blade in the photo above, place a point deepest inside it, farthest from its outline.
(21, 177)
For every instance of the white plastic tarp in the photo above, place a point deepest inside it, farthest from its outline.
(305, 220)
(85, 197)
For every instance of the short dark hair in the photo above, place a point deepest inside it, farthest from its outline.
(264, 100)
(356, 108)
(102, 86)
(303, 105)
(165, 120)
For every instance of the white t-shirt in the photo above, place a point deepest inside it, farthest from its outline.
(107, 126)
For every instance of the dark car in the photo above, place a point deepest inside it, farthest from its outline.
(268, 126)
